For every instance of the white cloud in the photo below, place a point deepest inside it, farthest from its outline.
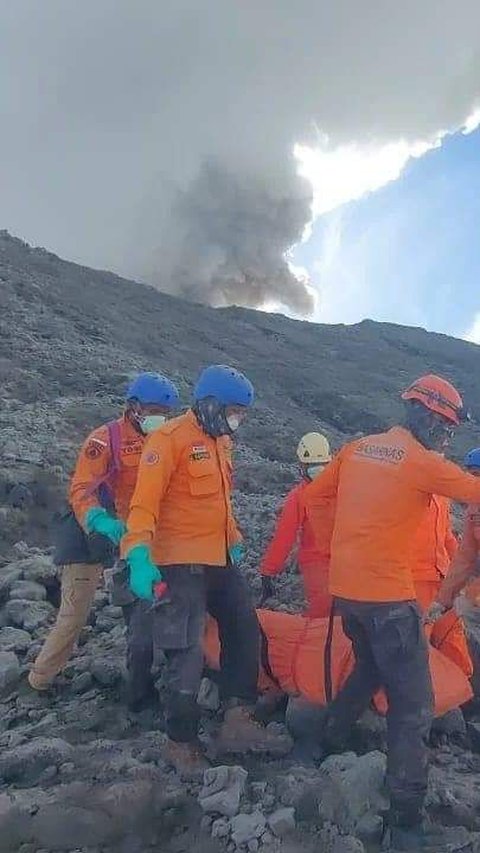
(343, 174)
(346, 173)
(473, 333)
(472, 122)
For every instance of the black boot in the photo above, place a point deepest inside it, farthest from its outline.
(410, 832)
(147, 700)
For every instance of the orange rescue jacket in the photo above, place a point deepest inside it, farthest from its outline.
(434, 544)
(93, 463)
(383, 485)
(181, 506)
(299, 522)
(466, 560)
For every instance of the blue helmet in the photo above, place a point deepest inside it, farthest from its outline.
(227, 385)
(472, 458)
(154, 389)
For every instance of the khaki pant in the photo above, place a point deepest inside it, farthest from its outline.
(79, 582)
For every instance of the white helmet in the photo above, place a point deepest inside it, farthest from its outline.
(314, 449)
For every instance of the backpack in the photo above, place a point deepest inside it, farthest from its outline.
(72, 544)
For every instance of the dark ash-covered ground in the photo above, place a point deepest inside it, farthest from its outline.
(76, 771)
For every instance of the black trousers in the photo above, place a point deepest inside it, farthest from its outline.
(176, 627)
(390, 652)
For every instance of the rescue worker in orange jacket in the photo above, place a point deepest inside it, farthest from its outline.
(183, 546)
(434, 547)
(463, 574)
(383, 484)
(100, 492)
(310, 526)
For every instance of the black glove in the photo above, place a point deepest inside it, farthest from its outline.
(268, 589)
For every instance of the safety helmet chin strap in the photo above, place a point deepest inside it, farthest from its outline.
(211, 416)
(133, 414)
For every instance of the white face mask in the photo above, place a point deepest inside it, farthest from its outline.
(234, 422)
(150, 423)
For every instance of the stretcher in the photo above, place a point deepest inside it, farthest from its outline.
(292, 661)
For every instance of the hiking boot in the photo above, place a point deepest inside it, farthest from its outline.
(305, 720)
(37, 683)
(186, 759)
(240, 733)
(404, 837)
(148, 701)
(32, 696)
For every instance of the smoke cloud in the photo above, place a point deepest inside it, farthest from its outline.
(228, 236)
(156, 138)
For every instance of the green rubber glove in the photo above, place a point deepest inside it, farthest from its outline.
(98, 520)
(236, 553)
(143, 573)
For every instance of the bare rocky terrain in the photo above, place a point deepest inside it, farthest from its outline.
(77, 773)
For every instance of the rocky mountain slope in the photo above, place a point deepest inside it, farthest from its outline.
(77, 773)
(71, 337)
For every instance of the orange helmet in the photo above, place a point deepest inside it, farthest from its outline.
(439, 396)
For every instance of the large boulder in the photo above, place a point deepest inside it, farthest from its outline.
(9, 671)
(222, 790)
(38, 568)
(353, 789)
(14, 640)
(70, 827)
(15, 822)
(30, 615)
(25, 763)
(282, 821)
(28, 590)
(247, 827)
(301, 789)
(8, 576)
(81, 815)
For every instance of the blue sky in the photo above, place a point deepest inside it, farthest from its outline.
(408, 252)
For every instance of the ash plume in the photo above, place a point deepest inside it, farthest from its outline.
(156, 138)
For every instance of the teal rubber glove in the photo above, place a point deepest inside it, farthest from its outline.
(143, 573)
(98, 520)
(236, 553)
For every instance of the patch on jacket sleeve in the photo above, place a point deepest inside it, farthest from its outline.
(152, 457)
(95, 448)
(199, 452)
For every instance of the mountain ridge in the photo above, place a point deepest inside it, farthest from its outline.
(71, 337)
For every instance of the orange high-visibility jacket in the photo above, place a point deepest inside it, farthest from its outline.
(181, 506)
(434, 544)
(466, 560)
(295, 525)
(93, 462)
(383, 485)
